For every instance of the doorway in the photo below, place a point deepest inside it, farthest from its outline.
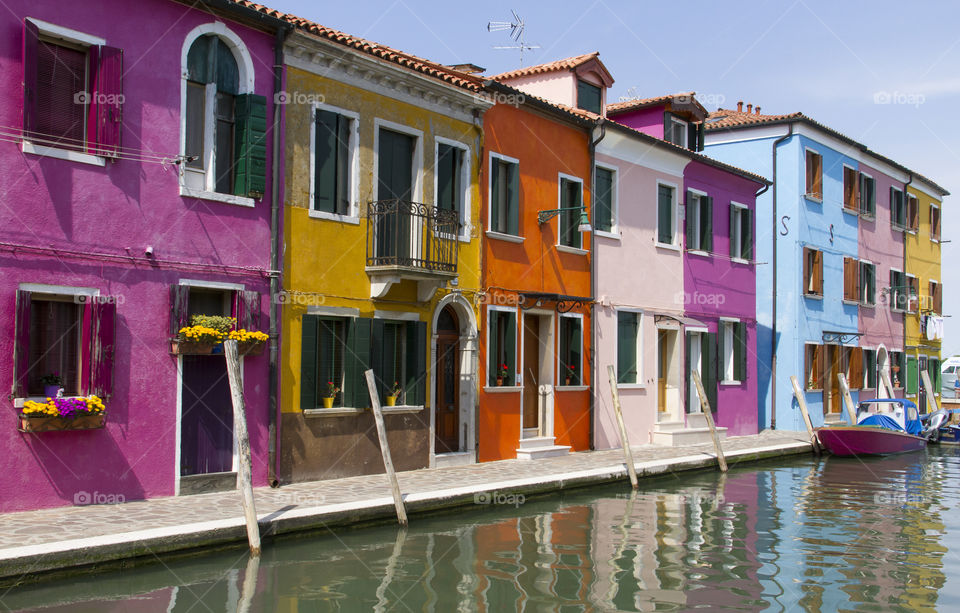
(663, 367)
(831, 387)
(538, 360)
(694, 364)
(447, 393)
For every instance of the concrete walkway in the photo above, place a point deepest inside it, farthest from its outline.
(52, 539)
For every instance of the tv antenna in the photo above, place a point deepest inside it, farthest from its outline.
(516, 28)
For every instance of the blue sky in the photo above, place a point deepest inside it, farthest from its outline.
(827, 59)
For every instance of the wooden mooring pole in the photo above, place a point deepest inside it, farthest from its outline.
(708, 415)
(847, 399)
(244, 474)
(798, 394)
(385, 448)
(927, 385)
(624, 440)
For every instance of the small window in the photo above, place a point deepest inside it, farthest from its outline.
(501, 347)
(868, 284)
(913, 293)
(851, 189)
(589, 97)
(851, 279)
(869, 369)
(733, 351)
(934, 222)
(451, 187)
(571, 201)
(504, 196)
(898, 291)
(898, 209)
(812, 272)
(330, 350)
(813, 367)
(628, 347)
(913, 213)
(571, 350)
(666, 205)
(699, 220)
(332, 171)
(604, 205)
(814, 175)
(868, 196)
(741, 232)
(935, 297)
(675, 130)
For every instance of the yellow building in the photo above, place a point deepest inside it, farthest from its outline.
(381, 257)
(921, 288)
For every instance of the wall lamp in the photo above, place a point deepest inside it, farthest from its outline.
(545, 216)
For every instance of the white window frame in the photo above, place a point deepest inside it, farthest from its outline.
(743, 209)
(518, 349)
(560, 371)
(353, 215)
(899, 227)
(843, 204)
(729, 368)
(246, 86)
(641, 316)
(906, 278)
(863, 365)
(809, 196)
(930, 296)
(674, 121)
(930, 220)
(892, 294)
(860, 263)
(803, 361)
(416, 194)
(676, 216)
(576, 250)
(465, 173)
(867, 214)
(614, 232)
(687, 215)
(513, 238)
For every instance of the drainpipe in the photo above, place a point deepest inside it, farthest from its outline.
(595, 368)
(773, 326)
(273, 431)
(906, 314)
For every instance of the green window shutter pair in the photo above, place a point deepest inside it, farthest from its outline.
(913, 375)
(350, 355)
(627, 329)
(331, 172)
(250, 146)
(603, 200)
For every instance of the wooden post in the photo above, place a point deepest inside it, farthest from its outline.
(244, 474)
(885, 378)
(624, 441)
(847, 399)
(931, 399)
(385, 448)
(708, 414)
(798, 394)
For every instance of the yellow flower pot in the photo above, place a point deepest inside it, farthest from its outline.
(328, 403)
(391, 401)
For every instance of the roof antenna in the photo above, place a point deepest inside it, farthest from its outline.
(516, 28)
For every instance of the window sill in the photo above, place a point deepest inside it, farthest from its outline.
(814, 390)
(572, 250)
(572, 388)
(350, 219)
(612, 234)
(731, 383)
(813, 198)
(814, 296)
(698, 252)
(864, 215)
(740, 261)
(203, 194)
(502, 389)
(401, 409)
(934, 240)
(631, 386)
(667, 246)
(62, 154)
(334, 412)
(851, 302)
(510, 238)
(853, 212)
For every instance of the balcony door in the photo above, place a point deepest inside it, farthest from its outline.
(394, 183)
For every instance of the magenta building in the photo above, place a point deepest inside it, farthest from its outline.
(135, 167)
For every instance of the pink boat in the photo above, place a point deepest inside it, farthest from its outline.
(884, 427)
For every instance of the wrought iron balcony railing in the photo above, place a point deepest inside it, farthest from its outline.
(410, 236)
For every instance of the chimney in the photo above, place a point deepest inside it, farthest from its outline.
(740, 106)
(749, 109)
(758, 110)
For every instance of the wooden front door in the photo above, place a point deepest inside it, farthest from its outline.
(831, 387)
(531, 374)
(662, 370)
(447, 394)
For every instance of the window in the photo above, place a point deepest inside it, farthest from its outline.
(675, 130)
(733, 350)
(851, 279)
(868, 284)
(571, 192)
(897, 368)
(666, 204)
(812, 272)
(501, 346)
(452, 180)
(898, 290)
(65, 332)
(935, 297)
(898, 211)
(852, 366)
(913, 376)
(571, 350)
(629, 347)
(604, 202)
(934, 223)
(870, 369)
(589, 97)
(868, 195)
(814, 175)
(851, 189)
(224, 127)
(72, 90)
(741, 232)
(913, 213)
(333, 148)
(699, 219)
(504, 196)
(813, 367)
(913, 293)
(325, 344)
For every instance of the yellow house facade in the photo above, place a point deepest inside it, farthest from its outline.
(381, 260)
(922, 288)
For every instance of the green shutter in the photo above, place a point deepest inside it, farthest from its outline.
(325, 162)
(343, 165)
(379, 360)
(492, 349)
(688, 384)
(603, 202)
(495, 204)
(701, 133)
(627, 347)
(308, 362)
(740, 351)
(734, 220)
(688, 208)
(250, 146)
(513, 199)
(721, 375)
(510, 340)
(706, 241)
(667, 126)
(665, 214)
(913, 376)
(416, 383)
(356, 361)
(933, 370)
(710, 367)
(746, 235)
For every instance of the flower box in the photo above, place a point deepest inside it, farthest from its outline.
(250, 348)
(49, 423)
(178, 347)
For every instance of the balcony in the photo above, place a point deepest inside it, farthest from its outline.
(409, 240)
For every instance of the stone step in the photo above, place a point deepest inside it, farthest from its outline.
(668, 426)
(535, 453)
(696, 420)
(687, 436)
(537, 441)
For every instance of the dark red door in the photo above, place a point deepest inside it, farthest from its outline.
(448, 383)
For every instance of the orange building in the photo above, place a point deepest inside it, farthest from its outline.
(535, 329)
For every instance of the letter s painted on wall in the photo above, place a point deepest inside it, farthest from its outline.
(783, 222)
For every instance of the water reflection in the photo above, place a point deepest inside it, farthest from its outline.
(827, 535)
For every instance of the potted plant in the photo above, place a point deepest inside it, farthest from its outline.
(330, 393)
(501, 374)
(248, 342)
(52, 384)
(82, 413)
(394, 394)
(203, 336)
(571, 371)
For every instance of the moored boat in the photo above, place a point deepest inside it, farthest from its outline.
(885, 426)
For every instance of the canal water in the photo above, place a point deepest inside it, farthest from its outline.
(801, 534)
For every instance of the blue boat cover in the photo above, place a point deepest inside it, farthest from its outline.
(913, 425)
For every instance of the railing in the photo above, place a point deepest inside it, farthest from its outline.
(411, 235)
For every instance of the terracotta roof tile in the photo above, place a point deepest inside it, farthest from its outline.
(727, 118)
(629, 105)
(564, 64)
